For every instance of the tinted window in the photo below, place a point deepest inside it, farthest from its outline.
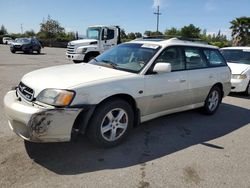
(237, 56)
(214, 58)
(173, 56)
(194, 58)
(111, 34)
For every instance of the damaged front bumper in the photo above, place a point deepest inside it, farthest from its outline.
(39, 124)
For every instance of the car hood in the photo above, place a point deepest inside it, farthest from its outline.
(82, 42)
(69, 76)
(238, 68)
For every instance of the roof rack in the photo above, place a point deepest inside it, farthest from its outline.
(165, 37)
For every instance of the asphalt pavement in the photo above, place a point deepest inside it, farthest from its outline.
(186, 149)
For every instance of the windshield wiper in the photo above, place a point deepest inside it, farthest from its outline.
(114, 65)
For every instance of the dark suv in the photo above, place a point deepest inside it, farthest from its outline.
(27, 45)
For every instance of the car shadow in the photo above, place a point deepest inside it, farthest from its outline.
(149, 141)
(22, 53)
(241, 95)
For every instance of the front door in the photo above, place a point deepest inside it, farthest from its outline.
(108, 39)
(166, 91)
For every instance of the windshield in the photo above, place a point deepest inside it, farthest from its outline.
(93, 33)
(129, 57)
(22, 40)
(237, 56)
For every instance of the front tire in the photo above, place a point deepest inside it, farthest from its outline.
(212, 101)
(111, 123)
(13, 51)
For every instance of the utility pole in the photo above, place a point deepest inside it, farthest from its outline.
(158, 16)
(21, 28)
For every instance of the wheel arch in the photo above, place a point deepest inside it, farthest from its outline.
(90, 54)
(82, 121)
(220, 85)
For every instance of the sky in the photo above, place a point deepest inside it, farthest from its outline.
(132, 15)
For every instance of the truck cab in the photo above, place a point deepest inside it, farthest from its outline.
(98, 39)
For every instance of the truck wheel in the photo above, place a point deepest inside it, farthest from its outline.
(212, 101)
(247, 92)
(110, 123)
(77, 61)
(90, 58)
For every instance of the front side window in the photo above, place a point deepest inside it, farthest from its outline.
(172, 55)
(194, 58)
(213, 57)
(93, 33)
(131, 57)
(237, 56)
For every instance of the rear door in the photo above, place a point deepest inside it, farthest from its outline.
(201, 77)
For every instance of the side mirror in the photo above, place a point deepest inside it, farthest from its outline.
(105, 33)
(162, 67)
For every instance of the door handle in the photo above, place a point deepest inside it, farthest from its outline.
(182, 81)
(211, 76)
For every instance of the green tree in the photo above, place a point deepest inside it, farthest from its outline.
(50, 29)
(190, 31)
(131, 36)
(240, 31)
(148, 33)
(173, 32)
(138, 35)
(3, 30)
(123, 34)
(30, 33)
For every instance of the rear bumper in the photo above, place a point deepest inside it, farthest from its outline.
(239, 85)
(39, 124)
(75, 57)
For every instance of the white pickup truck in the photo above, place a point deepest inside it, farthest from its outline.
(99, 38)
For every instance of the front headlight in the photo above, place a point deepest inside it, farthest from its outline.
(81, 50)
(56, 97)
(239, 76)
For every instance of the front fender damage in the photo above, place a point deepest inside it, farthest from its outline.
(54, 125)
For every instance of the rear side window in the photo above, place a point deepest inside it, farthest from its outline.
(214, 57)
(111, 34)
(194, 58)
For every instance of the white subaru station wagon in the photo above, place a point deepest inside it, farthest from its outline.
(129, 84)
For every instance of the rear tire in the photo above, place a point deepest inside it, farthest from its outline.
(39, 51)
(212, 101)
(110, 123)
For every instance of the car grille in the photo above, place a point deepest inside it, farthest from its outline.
(71, 49)
(25, 91)
(18, 46)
